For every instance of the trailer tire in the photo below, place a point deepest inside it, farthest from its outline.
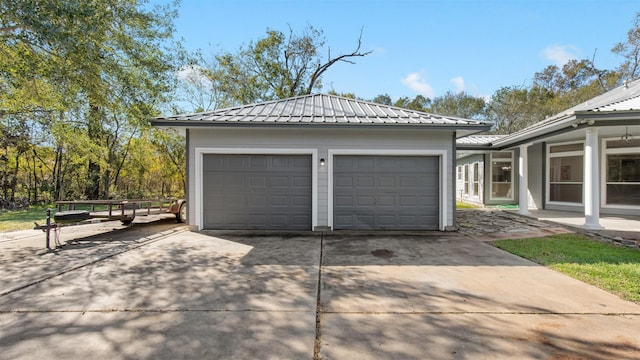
(126, 222)
(181, 216)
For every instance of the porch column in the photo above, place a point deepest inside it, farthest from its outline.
(591, 181)
(523, 183)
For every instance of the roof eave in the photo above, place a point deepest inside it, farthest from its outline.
(475, 128)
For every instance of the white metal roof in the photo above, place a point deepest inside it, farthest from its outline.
(318, 109)
(478, 139)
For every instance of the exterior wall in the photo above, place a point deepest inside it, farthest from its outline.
(604, 209)
(321, 141)
(462, 193)
(536, 172)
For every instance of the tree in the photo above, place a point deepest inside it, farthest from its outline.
(514, 108)
(459, 105)
(419, 103)
(383, 99)
(279, 65)
(630, 50)
(104, 66)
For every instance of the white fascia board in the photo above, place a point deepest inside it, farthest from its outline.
(201, 151)
(442, 154)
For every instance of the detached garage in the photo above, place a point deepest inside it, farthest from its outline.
(320, 162)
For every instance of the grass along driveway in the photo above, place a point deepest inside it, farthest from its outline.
(23, 219)
(612, 268)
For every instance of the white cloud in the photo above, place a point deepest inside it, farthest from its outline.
(193, 74)
(560, 54)
(417, 83)
(458, 82)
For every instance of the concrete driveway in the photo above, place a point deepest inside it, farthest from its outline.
(157, 291)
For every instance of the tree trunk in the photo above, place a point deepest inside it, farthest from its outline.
(92, 188)
(35, 178)
(57, 171)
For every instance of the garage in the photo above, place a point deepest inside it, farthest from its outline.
(386, 192)
(320, 162)
(257, 191)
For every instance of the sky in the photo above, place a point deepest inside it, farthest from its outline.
(423, 47)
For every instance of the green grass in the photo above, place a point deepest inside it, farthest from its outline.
(23, 219)
(463, 205)
(612, 268)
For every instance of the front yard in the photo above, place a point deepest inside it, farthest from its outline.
(612, 268)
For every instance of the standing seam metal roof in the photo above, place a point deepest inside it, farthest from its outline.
(321, 109)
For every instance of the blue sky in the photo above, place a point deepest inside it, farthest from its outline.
(424, 47)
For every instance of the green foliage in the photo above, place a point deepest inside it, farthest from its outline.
(630, 50)
(459, 104)
(419, 103)
(383, 99)
(612, 268)
(83, 76)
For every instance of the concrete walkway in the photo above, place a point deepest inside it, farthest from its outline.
(157, 291)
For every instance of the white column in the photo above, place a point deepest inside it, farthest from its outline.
(523, 183)
(591, 181)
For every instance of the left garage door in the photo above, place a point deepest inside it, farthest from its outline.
(258, 192)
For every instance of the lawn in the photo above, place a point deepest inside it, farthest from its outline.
(23, 219)
(612, 268)
(463, 205)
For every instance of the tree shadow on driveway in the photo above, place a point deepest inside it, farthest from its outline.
(199, 295)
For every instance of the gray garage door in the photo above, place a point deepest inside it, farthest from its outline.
(386, 192)
(257, 192)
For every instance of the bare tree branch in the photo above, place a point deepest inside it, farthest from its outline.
(344, 58)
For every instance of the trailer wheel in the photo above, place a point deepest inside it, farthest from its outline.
(181, 216)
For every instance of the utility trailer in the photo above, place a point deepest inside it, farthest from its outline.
(123, 210)
(83, 211)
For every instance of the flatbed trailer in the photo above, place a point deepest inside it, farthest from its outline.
(123, 210)
(72, 212)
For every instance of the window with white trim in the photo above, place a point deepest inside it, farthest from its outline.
(466, 179)
(501, 173)
(476, 179)
(622, 182)
(565, 172)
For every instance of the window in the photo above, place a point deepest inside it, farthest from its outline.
(476, 178)
(501, 175)
(466, 179)
(622, 182)
(459, 172)
(566, 169)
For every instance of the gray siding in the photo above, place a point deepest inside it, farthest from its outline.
(536, 172)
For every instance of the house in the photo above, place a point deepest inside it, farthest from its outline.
(320, 162)
(585, 159)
